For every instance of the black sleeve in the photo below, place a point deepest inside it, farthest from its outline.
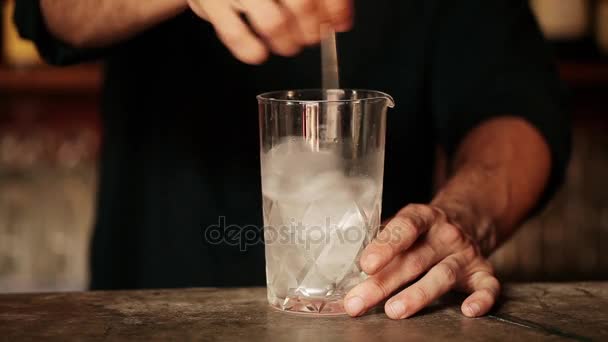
(31, 25)
(490, 59)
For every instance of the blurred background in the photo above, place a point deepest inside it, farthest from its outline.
(49, 142)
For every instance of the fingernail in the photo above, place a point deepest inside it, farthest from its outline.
(372, 262)
(397, 309)
(354, 306)
(473, 309)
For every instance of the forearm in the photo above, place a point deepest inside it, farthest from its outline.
(498, 174)
(99, 23)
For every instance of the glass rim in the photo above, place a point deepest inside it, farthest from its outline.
(273, 96)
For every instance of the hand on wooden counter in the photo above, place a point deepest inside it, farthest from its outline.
(423, 239)
(499, 172)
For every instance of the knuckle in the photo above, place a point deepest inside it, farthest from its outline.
(416, 264)
(412, 208)
(494, 286)
(411, 227)
(421, 209)
(418, 213)
(438, 214)
(409, 222)
(273, 26)
(399, 221)
(425, 210)
(379, 286)
(404, 227)
(487, 294)
(447, 273)
(419, 295)
(469, 253)
(450, 235)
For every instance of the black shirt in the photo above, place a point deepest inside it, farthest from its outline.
(180, 142)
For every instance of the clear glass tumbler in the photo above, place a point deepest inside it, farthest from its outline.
(322, 154)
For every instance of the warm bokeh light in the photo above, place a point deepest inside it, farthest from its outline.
(16, 51)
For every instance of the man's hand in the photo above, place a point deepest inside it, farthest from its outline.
(499, 172)
(282, 27)
(423, 239)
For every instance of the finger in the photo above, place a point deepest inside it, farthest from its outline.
(401, 270)
(486, 289)
(439, 280)
(196, 7)
(272, 23)
(306, 14)
(339, 13)
(400, 234)
(235, 34)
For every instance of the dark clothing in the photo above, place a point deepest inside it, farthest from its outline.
(180, 142)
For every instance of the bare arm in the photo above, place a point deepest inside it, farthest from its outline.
(285, 25)
(500, 171)
(100, 23)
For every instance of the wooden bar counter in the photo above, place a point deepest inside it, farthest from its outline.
(526, 312)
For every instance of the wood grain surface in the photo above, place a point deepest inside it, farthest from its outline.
(539, 312)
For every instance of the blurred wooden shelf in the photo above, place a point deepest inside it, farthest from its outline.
(45, 79)
(579, 74)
